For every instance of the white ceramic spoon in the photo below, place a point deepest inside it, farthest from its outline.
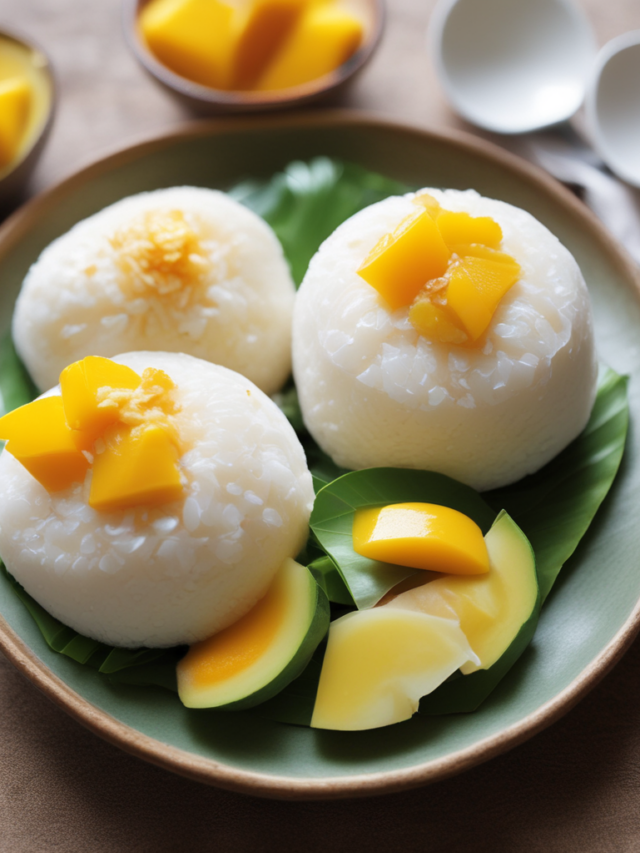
(613, 106)
(512, 66)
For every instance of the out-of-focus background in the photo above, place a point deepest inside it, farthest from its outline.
(574, 787)
(107, 100)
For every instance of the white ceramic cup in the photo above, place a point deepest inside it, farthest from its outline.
(512, 66)
(613, 106)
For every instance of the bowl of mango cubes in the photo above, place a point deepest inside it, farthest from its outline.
(216, 55)
(26, 111)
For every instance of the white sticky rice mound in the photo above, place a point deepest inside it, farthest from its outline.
(73, 304)
(374, 392)
(179, 572)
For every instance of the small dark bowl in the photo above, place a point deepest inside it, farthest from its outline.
(207, 100)
(14, 181)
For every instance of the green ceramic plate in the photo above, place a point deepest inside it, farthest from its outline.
(592, 614)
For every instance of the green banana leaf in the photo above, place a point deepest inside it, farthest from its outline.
(16, 387)
(306, 203)
(555, 506)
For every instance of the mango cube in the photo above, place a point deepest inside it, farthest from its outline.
(476, 286)
(39, 438)
(436, 322)
(429, 203)
(324, 37)
(459, 228)
(423, 536)
(15, 104)
(138, 466)
(80, 383)
(261, 29)
(192, 38)
(401, 263)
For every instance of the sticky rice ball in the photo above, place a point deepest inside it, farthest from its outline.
(374, 392)
(179, 572)
(184, 269)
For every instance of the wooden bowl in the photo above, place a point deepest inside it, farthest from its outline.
(206, 100)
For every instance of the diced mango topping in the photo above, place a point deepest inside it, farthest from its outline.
(429, 203)
(251, 44)
(476, 286)
(15, 104)
(137, 467)
(39, 437)
(324, 38)
(446, 268)
(436, 322)
(401, 263)
(459, 228)
(80, 384)
(136, 460)
(423, 536)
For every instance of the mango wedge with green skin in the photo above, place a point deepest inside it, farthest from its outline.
(491, 608)
(256, 657)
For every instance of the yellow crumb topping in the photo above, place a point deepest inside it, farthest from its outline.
(160, 253)
(111, 419)
(152, 403)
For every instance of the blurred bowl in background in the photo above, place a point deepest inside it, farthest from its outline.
(19, 54)
(613, 106)
(512, 66)
(207, 100)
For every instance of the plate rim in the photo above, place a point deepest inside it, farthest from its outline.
(276, 786)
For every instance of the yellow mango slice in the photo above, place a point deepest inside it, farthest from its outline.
(491, 608)
(476, 250)
(80, 383)
(459, 228)
(39, 438)
(428, 201)
(423, 536)
(476, 286)
(262, 27)
(15, 104)
(324, 38)
(257, 656)
(436, 322)
(194, 38)
(138, 466)
(401, 263)
(380, 662)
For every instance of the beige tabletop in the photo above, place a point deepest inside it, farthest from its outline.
(574, 787)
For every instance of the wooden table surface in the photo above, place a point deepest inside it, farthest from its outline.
(574, 787)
